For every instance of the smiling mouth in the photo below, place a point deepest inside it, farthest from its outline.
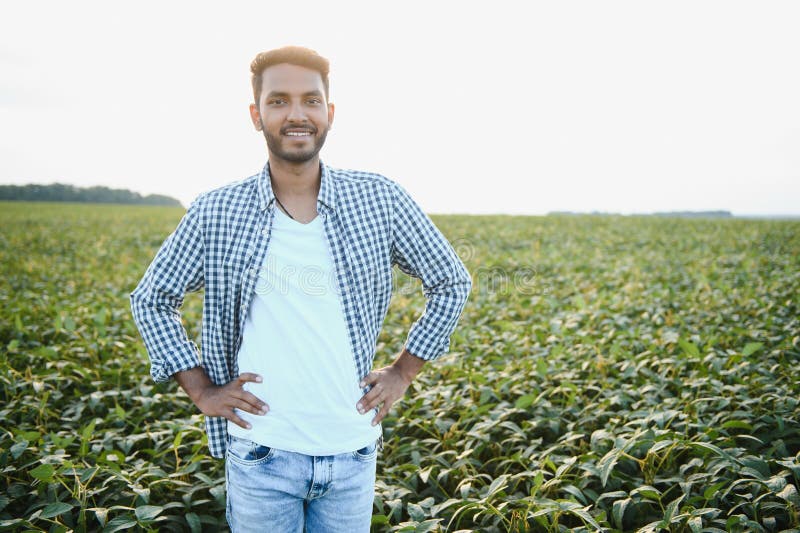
(298, 133)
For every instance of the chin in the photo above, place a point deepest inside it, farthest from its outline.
(302, 157)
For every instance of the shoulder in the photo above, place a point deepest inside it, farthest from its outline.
(231, 193)
(352, 176)
(350, 180)
(233, 197)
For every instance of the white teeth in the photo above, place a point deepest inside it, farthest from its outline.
(298, 133)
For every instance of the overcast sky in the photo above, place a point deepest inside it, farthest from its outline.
(490, 107)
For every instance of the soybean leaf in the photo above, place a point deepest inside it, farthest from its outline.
(43, 472)
(148, 512)
(55, 509)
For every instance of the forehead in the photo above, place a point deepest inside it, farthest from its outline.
(289, 78)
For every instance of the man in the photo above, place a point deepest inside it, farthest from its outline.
(296, 264)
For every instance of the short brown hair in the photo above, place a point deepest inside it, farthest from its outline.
(294, 55)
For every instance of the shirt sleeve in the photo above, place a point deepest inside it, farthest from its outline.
(420, 250)
(176, 269)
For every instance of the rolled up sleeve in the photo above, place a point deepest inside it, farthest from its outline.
(420, 250)
(156, 301)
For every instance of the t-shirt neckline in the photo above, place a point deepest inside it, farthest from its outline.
(290, 220)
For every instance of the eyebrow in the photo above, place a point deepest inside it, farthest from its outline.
(272, 94)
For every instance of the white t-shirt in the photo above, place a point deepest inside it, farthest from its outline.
(295, 338)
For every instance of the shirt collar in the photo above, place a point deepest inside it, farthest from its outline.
(325, 199)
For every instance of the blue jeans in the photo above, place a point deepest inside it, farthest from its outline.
(279, 491)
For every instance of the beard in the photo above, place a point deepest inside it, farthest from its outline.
(275, 145)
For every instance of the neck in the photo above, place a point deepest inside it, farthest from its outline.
(295, 180)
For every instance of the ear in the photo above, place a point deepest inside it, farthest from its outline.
(255, 116)
(330, 114)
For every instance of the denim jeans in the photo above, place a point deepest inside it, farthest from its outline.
(280, 491)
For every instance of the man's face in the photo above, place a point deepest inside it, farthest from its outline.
(292, 112)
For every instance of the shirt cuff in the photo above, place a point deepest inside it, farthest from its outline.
(418, 345)
(187, 360)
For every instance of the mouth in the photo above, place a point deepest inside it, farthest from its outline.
(298, 132)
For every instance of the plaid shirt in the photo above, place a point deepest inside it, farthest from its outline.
(220, 243)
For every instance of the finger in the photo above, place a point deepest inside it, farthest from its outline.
(250, 408)
(381, 414)
(368, 379)
(370, 399)
(234, 395)
(249, 397)
(236, 419)
(254, 400)
(249, 376)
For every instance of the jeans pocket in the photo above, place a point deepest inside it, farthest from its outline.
(367, 453)
(247, 452)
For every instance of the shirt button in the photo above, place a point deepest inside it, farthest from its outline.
(265, 232)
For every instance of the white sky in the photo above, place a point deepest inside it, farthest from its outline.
(490, 107)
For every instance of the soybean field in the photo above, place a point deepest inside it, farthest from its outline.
(609, 373)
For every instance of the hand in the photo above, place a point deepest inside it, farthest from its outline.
(388, 386)
(216, 400)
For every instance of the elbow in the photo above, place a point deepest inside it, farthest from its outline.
(134, 302)
(138, 304)
(467, 290)
(466, 282)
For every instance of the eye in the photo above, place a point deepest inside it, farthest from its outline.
(275, 101)
(314, 100)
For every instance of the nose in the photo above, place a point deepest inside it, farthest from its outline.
(296, 113)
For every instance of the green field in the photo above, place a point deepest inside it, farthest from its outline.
(610, 373)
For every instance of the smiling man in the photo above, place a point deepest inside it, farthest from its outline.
(296, 264)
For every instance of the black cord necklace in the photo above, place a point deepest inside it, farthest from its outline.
(284, 209)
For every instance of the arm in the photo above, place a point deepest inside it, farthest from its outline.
(176, 269)
(420, 250)
(156, 302)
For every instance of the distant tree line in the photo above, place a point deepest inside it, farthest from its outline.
(61, 192)
(679, 214)
(694, 214)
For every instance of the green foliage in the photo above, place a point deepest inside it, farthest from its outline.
(61, 192)
(614, 373)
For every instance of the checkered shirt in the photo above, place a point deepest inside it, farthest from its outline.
(371, 224)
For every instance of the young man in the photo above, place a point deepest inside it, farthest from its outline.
(296, 263)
